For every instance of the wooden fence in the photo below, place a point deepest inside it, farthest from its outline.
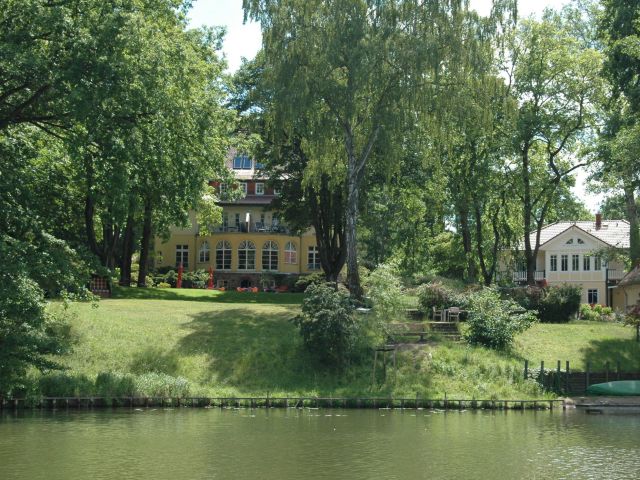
(564, 381)
(54, 403)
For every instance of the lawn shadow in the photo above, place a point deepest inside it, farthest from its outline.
(257, 352)
(625, 351)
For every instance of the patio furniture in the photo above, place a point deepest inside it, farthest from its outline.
(453, 314)
(436, 315)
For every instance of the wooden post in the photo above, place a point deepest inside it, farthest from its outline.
(542, 373)
(566, 376)
(588, 374)
(526, 369)
(558, 377)
(395, 371)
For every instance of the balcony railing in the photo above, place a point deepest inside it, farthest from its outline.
(613, 274)
(521, 276)
(255, 227)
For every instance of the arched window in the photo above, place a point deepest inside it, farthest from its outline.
(223, 255)
(580, 241)
(290, 253)
(203, 253)
(270, 256)
(570, 241)
(247, 255)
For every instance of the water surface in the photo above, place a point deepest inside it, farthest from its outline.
(291, 444)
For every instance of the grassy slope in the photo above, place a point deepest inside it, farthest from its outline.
(237, 343)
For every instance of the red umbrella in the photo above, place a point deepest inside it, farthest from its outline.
(210, 277)
(179, 282)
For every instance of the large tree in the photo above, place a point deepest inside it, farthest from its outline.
(554, 78)
(360, 69)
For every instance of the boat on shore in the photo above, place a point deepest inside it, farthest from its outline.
(622, 388)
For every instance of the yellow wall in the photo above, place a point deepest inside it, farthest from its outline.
(165, 252)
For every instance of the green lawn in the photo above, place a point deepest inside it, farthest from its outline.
(241, 344)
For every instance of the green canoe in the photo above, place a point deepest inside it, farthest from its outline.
(616, 389)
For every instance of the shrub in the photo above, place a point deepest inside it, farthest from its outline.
(155, 384)
(305, 280)
(196, 279)
(163, 285)
(528, 297)
(494, 322)
(327, 324)
(559, 303)
(110, 384)
(434, 295)
(171, 277)
(384, 290)
(597, 313)
(65, 385)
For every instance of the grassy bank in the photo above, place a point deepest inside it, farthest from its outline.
(233, 343)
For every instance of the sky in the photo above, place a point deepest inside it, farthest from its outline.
(244, 40)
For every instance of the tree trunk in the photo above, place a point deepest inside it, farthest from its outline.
(529, 256)
(353, 276)
(328, 222)
(634, 223)
(127, 251)
(145, 244)
(463, 214)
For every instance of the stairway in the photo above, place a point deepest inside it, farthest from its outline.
(448, 330)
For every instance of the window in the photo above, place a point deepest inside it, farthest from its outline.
(313, 259)
(259, 165)
(223, 255)
(597, 263)
(275, 191)
(592, 296)
(553, 263)
(564, 262)
(259, 188)
(182, 255)
(242, 162)
(238, 221)
(586, 263)
(290, 253)
(223, 189)
(580, 241)
(243, 188)
(203, 253)
(270, 256)
(247, 255)
(225, 221)
(570, 241)
(575, 263)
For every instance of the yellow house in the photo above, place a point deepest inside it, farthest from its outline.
(629, 288)
(252, 247)
(575, 253)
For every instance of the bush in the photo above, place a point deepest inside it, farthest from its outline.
(196, 279)
(163, 285)
(528, 297)
(65, 385)
(327, 324)
(115, 385)
(494, 322)
(597, 313)
(383, 288)
(155, 384)
(559, 304)
(171, 277)
(437, 295)
(305, 280)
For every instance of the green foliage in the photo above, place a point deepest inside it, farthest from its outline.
(304, 281)
(163, 285)
(596, 313)
(327, 324)
(560, 303)
(109, 384)
(436, 295)
(384, 289)
(65, 385)
(493, 321)
(155, 384)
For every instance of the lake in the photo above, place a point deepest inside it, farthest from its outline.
(308, 444)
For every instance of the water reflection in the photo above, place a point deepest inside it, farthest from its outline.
(282, 444)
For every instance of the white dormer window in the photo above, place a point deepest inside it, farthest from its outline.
(259, 188)
(242, 162)
(243, 187)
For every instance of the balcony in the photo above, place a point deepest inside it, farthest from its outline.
(254, 227)
(521, 276)
(614, 275)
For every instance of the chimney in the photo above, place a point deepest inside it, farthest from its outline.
(598, 221)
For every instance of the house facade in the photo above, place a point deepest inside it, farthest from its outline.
(579, 253)
(252, 247)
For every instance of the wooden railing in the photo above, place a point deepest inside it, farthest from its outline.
(521, 276)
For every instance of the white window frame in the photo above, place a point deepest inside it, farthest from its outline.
(590, 294)
(183, 251)
(247, 255)
(553, 263)
(575, 263)
(270, 256)
(313, 254)
(586, 263)
(243, 187)
(244, 162)
(204, 253)
(259, 188)
(564, 263)
(290, 253)
(225, 252)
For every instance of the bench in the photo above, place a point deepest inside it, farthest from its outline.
(408, 330)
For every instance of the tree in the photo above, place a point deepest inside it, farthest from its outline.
(360, 68)
(555, 81)
(619, 27)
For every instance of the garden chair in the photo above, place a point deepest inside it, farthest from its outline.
(454, 314)
(436, 315)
